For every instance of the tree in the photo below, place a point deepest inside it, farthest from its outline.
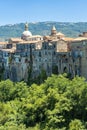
(6, 90)
(76, 125)
(55, 69)
(57, 104)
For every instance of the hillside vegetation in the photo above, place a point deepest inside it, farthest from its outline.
(57, 104)
(43, 28)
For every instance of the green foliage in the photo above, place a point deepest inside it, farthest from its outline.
(6, 90)
(1, 73)
(10, 90)
(39, 79)
(76, 125)
(29, 80)
(55, 69)
(42, 76)
(57, 104)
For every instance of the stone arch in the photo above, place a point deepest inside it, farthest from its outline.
(55, 69)
(65, 70)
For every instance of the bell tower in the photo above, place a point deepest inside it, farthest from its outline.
(53, 31)
(26, 26)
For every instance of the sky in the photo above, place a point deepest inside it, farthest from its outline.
(21, 11)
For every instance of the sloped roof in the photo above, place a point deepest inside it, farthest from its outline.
(80, 39)
(28, 42)
(16, 39)
(67, 39)
(3, 43)
(53, 28)
(60, 34)
(9, 50)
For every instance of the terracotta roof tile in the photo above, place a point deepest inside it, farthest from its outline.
(67, 39)
(80, 39)
(3, 42)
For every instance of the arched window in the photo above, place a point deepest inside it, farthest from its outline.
(65, 69)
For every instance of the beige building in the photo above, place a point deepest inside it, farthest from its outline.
(78, 52)
(55, 53)
(16, 55)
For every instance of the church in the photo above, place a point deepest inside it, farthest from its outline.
(54, 53)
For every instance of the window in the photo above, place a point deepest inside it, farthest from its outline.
(45, 52)
(39, 54)
(54, 46)
(19, 59)
(39, 59)
(54, 53)
(45, 46)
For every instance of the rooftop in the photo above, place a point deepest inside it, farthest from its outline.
(80, 39)
(12, 50)
(15, 39)
(67, 39)
(28, 42)
(3, 42)
(60, 34)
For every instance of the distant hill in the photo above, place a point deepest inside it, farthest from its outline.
(43, 28)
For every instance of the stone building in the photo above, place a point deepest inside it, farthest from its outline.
(55, 53)
(78, 52)
(18, 55)
(53, 56)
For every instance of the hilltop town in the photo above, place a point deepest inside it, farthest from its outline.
(54, 53)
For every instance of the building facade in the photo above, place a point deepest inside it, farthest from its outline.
(54, 53)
